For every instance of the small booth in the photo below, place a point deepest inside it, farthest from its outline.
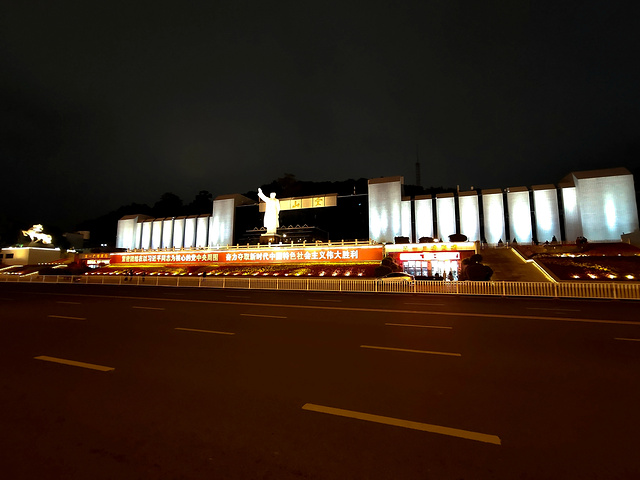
(431, 260)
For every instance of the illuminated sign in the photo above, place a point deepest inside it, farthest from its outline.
(422, 247)
(338, 254)
(86, 256)
(329, 200)
(429, 256)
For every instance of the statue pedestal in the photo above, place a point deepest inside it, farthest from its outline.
(273, 238)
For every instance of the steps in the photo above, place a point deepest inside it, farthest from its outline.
(507, 266)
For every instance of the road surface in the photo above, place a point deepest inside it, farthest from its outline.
(105, 382)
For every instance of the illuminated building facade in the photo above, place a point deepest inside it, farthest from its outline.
(424, 217)
(385, 209)
(493, 207)
(519, 209)
(606, 203)
(469, 215)
(599, 205)
(547, 216)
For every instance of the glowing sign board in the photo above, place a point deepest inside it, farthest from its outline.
(255, 256)
(429, 256)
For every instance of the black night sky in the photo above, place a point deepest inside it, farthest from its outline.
(108, 103)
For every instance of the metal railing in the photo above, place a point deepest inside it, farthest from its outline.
(613, 290)
(290, 243)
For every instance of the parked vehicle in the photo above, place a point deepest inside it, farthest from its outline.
(397, 277)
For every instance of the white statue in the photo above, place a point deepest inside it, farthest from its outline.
(271, 212)
(35, 233)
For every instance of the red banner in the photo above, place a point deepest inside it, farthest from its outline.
(255, 256)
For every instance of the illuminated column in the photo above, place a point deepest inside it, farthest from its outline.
(167, 233)
(407, 231)
(424, 216)
(545, 204)
(469, 215)
(202, 231)
(156, 234)
(138, 237)
(572, 224)
(519, 214)
(607, 203)
(446, 215)
(125, 235)
(385, 211)
(178, 232)
(147, 231)
(190, 231)
(221, 228)
(221, 224)
(493, 207)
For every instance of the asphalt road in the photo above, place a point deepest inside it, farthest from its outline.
(178, 383)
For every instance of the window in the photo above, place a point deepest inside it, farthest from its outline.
(9, 255)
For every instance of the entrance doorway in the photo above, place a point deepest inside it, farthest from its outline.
(447, 269)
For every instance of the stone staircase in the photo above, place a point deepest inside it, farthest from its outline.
(507, 266)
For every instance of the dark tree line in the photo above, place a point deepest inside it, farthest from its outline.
(103, 228)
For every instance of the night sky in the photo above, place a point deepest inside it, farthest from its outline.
(108, 103)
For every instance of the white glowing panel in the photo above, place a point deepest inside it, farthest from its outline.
(493, 207)
(424, 217)
(385, 211)
(125, 234)
(178, 232)
(221, 228)
(446, 216)
(545, 202)
(469, 216)
(607, 206)
(147, 234)
(572, 223)
(407, 231)
(520, 228)
(138, 235)
(190, 232)
(167, 233)
(202, 231)
(156, 234)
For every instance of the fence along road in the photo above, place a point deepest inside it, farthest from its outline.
(612, 290)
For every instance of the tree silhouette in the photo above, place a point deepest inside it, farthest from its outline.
(169, 205)
(202, 204)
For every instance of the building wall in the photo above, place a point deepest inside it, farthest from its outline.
(147, 235)
(572, 222)
(407, 230)
(424, 217)
(178, 232)
(138, 238)
(446, 211)
(600, 205)
(202, 231)
(190, 232)
(469, 215)
(155, 233)
(493, 207)
(125, 235)
(519, 207)
(221, 227)
(29, 255)
(607, 206)
(545, 202)
(385, 211)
